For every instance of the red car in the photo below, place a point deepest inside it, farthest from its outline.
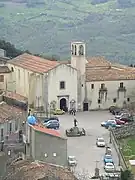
(119, 122)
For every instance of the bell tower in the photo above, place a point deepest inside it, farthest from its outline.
(78, 61)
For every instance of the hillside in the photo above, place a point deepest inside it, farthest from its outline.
(48, 26)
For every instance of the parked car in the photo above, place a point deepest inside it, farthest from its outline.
(116, 111)
(110, 123)
(112, 108)
(109, 167)
(127, 119)
(120, 122)
(58, 112)
(108, 151)
(124, 114)
(51, 118)
(72, 161)
(100, 142)
(108, 159)
(52, 124)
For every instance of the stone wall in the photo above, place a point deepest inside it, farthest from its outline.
(125, 131)
(120, 133)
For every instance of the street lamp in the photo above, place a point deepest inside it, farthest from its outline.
(97, 170)
(110, 141)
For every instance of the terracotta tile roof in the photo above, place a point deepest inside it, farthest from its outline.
(9, 112)
(108, 74)
(42, 129)
(15, 96)
(33, 63)
(4, 69)
(100, 69)
(98, 62)
(27, 170)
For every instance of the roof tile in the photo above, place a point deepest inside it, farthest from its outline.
(9, 112)
(33, 63)
(42, 129)
(15, 96)
(27, 170)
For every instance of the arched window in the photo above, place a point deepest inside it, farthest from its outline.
(12, 69)
(72, 51)
(81, 50)
(75, 49)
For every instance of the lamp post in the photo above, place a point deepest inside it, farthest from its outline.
(110, 140)
(97, 170)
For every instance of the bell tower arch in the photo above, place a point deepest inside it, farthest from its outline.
(78, 59)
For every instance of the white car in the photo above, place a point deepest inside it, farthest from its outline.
(109, 167)
(100, 142)
(122, 115)
(72, 161)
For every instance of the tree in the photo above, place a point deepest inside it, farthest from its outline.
(126, 175)
(10, 49)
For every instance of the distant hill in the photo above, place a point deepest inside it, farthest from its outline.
(48, 26)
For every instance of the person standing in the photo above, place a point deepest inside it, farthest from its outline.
(75, 122)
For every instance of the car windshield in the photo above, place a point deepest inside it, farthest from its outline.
(71, 158)
(100, 140)
(109, 165)
(108, 157)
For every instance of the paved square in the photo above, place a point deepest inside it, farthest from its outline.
(84, 148)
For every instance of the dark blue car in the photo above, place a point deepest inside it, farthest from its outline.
(52, 124)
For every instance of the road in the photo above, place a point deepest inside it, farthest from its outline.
(84, 148)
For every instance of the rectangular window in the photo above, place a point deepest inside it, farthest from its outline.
(16, 125)
(2, 134)
(114, 100)
(99, 101)
(92, 86)
(102, 86)
(62, 85)
(1, 78)
(121, 85)
(128, 99)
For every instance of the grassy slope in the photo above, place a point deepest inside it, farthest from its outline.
(106, 30)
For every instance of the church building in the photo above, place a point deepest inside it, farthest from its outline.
(82, 83)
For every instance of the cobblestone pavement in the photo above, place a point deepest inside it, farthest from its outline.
(84, 148)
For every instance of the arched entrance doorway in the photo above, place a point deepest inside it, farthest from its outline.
(63, 104)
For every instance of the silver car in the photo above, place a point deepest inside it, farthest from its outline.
(109, 167)
(72, 161)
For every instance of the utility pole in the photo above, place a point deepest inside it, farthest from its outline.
(97, 170)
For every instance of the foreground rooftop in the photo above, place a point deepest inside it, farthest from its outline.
(29, 170)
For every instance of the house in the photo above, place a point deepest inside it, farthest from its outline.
(46, 84)
(36, 170)
(101, 83)
(10, 119)
(45, 145)
(84, 83)
(4, 73)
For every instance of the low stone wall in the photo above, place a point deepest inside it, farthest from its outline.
(125, 131)
(121, 158)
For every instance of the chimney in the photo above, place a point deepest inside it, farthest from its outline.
(3, 162)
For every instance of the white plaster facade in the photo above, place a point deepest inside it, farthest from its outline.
(112, 94)
(68, 75)
(43, 88)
